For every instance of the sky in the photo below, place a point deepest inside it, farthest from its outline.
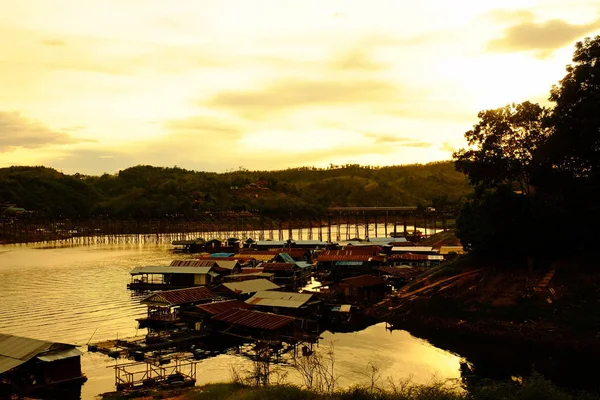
(95, 86)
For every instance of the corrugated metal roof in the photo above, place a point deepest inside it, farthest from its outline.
(222, 306)
(279, 299)
(254, 319)
(251, 286)
(310, 242)
(417, 257)
(227, 264)
(179, 296)
(364, 281)
(60, 355)
(303, 264)
(193, 263)
(258, 257)
(221, 255)
(279, 266)
(346, 257)
(273, 243)
(385, 240)
(286, 258)
(16, 350)
(349, 263)
(165, 269)
(413, 249)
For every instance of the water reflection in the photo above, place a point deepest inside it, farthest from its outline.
(74, 294)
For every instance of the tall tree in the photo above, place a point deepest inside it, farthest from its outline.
(574, 146)
(502, 147)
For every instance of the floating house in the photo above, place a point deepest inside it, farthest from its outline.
(165, 308)
(350, 261)
(180, 274)
(30, 365)
(416, 259)
(189, 246)
(360, 289)
(287, 303)
(257, 325)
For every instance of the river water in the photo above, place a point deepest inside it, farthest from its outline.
(78, 294)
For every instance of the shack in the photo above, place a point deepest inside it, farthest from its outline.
(184, 274)
(350, 261)
(165, 308)
(243, 290)
(32, 365)
(416, 259)
(360, 289)
(189, 246)
(204, 312)
(257, 325)
(304, 305)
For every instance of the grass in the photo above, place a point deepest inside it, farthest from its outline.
(531, 388)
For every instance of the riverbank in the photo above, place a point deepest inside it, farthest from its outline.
(546, 318)
(525, 389)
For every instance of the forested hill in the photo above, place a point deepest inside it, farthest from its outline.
(153, 192)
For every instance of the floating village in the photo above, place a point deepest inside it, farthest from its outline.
(264, 298)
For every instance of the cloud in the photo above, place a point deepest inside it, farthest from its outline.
(291, 94)
(544, 37)
(397, 140)
(53, 42)
(357, 60)
(203, 126)
(19, 131)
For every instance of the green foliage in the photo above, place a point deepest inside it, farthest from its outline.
(145, 192)
(536, 172)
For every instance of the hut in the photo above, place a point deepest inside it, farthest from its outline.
(165, 308)
(180, 274)
(304, 305)
(361, 289)
(30, 365)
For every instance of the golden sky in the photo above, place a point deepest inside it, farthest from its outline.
(95, 86)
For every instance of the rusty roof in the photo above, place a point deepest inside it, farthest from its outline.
(254, 319)
(193, 263)
(279, 267)
(222, 306)
(258, 257)
(363, 281)
(416, 257)
(346, 256)
(179, 296)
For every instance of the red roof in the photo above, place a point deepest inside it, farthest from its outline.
(254, 319)
(293, 252)
(278, 267)
(410, 257)
(180, 296)
(192, 263)
(374, 250)
(363, 281)
(222, 306)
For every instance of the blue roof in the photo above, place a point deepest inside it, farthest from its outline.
(218, 255)
(349, 263)
(287, 258)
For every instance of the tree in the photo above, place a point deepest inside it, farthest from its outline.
(574, 146)
(502, 147)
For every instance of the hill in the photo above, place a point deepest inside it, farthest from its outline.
(143, 192)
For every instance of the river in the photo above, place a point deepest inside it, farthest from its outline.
(75, 294)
